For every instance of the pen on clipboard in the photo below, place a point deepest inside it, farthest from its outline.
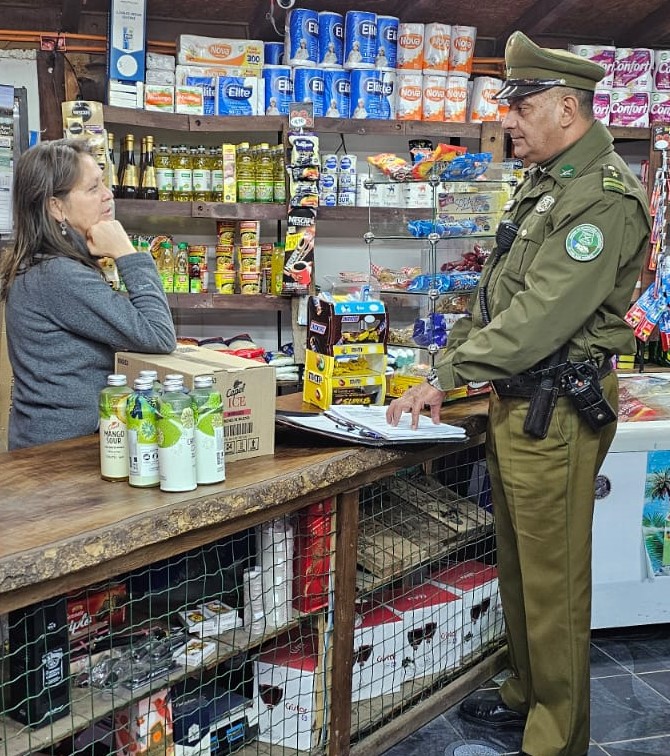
(352, 427)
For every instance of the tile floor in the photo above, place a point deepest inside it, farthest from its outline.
(630, 704)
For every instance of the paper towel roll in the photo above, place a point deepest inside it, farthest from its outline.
(254, 615)
(276, 560)
(629, 108)
(434, 94)
(482, 105)
(456, 99)
(603, 55)
(436, 48)
(633, 69)
(462, 49)
(602, 100)
(661, 71)
(659, 108)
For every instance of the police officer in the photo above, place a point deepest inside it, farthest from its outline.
(569, 251)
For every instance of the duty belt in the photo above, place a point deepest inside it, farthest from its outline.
(522, 386)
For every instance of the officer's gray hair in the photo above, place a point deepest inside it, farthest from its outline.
(584, 99)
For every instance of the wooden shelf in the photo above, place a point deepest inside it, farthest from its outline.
(239, 210)
(244, 124)
(140, 209)
(246, 302)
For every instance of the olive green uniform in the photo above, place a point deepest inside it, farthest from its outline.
(567, 278)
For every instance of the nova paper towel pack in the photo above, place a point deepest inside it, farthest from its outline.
(483, 106)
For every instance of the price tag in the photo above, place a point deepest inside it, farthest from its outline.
(301, 115)
(661, 136)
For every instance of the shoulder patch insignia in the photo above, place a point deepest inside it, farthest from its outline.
(544, 204)
(584, 242)
(612, 180)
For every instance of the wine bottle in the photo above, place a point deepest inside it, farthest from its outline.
(128, 181)
(148, 185)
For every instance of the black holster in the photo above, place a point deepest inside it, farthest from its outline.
(545, 395)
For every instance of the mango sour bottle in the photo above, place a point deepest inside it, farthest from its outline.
(142, 435)
(208, 417)
(113, 440)
(176, 446)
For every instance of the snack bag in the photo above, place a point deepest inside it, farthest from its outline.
(391, 165)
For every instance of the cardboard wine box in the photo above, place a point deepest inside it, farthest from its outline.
(247, 388)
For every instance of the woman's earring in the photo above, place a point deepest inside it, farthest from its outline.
(63, 228)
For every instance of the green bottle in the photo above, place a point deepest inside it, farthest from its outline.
(176, 445)
(142, 435)
(113, 438)
(208, 417)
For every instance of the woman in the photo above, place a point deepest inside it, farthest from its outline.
(64, 322)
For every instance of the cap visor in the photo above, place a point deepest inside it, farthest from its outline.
(511, 90)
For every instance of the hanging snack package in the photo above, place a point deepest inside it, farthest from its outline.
(298, 273)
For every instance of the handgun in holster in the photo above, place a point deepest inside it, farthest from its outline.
(543, 400)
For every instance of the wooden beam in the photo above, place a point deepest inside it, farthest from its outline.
(542, 16)
(71, 16)
(651, 29)
(51, 87)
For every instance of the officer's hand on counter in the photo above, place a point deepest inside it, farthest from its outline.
(413, 401)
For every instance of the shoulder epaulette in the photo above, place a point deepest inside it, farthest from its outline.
(612, 179)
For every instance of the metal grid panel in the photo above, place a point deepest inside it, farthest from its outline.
(256, 610)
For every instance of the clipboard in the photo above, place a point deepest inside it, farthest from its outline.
(325, 425)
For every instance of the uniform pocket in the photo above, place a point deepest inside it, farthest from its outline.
(522, 253)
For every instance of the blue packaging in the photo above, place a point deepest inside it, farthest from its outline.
(208, 86)
(331, 38)
(387, 42)
(372, 94)
(301, 42)
(273, 53)
(360, 39)
(308, 86)
(336, 93)
(278, 89)
(236, 95)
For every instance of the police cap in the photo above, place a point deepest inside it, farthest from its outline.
(532, 69)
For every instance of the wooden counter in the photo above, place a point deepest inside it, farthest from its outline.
(63, 527)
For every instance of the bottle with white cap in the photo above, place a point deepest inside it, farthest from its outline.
(113, 440)
(142, 435)
(209, 441)
(176, 445)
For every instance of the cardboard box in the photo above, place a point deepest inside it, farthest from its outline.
(6, 385)
(284, 692)
(354, 389)
(477, 585)
(248, 389)
(348, 360)
(193, 49)
(351, 322)
(145, 727)
(312, 549)
(432, 629)
(377, 666)
(127, 40)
